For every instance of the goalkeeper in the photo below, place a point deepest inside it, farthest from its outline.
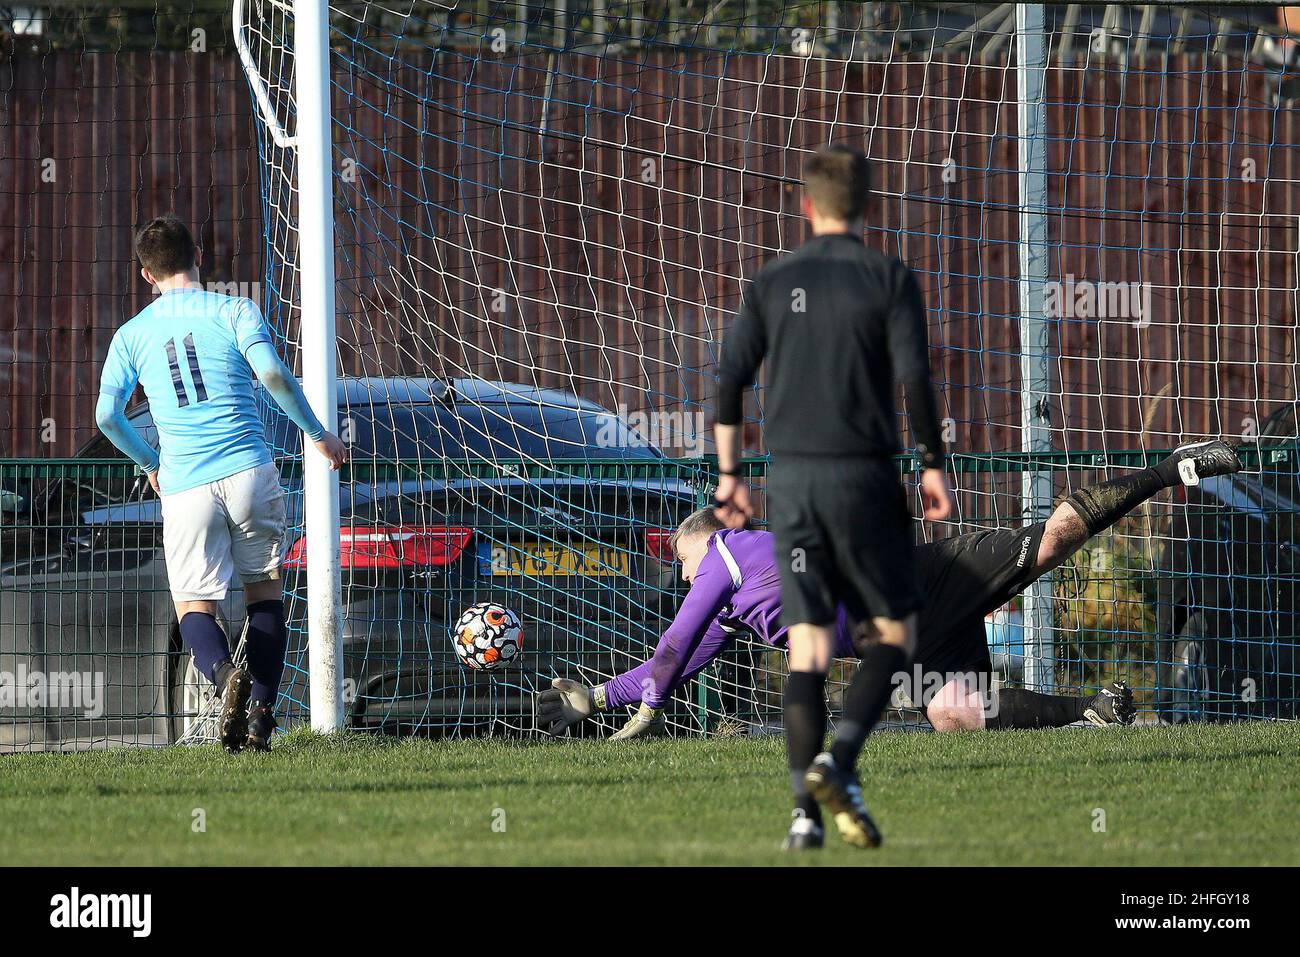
(735, 588)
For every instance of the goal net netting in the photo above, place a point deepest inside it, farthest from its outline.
(546, 214)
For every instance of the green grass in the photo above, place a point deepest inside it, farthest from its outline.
(1191, 795)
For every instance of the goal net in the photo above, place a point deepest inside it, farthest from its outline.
(546, 213)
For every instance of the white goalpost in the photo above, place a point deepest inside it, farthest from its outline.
(319, 356)
(299, 96)
(1035, 358)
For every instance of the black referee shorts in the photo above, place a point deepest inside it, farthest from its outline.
(842, 533)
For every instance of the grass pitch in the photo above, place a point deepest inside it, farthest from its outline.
(1165, 796)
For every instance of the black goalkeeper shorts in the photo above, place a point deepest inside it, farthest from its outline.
(842, 534)
(963, 578)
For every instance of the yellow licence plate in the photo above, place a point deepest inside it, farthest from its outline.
(545, 559)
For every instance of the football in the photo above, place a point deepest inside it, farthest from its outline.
(487, 636)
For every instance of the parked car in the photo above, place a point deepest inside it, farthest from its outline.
(580, 553)
(1227, 595)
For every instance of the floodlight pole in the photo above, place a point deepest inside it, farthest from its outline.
(319, 363)
(1032, 52)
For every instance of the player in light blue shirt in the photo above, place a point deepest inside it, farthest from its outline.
(191, 352)
(195, 354)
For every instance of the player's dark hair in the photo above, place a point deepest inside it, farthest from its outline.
(165, 246)
(701, 521)
(838, 179)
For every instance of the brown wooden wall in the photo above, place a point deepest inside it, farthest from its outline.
(130, 135)
(620, 288)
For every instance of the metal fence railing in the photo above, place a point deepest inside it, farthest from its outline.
(1192, 598)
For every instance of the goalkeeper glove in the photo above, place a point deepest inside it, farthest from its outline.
(566, 703)
(647, 722)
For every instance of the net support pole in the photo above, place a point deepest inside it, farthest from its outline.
(316, 284)
(1032, 51)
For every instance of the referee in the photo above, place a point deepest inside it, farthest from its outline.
(839, 325)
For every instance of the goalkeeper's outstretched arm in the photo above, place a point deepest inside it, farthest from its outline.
(569, 702)
(693, 640)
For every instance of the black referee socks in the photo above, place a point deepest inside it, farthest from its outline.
(1101, 506)
(865, 700)
(1018, 708)
(805, 732)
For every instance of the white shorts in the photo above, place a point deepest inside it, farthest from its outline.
(233, 525)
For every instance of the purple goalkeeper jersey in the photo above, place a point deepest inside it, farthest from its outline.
(737, 588)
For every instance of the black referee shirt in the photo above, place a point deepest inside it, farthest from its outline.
(839, 324)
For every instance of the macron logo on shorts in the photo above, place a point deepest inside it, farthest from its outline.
(1024, 551)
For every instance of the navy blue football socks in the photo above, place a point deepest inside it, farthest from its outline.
(206, 640)
(268, 640)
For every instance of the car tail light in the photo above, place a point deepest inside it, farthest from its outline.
(657, 544)
(392, 546)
